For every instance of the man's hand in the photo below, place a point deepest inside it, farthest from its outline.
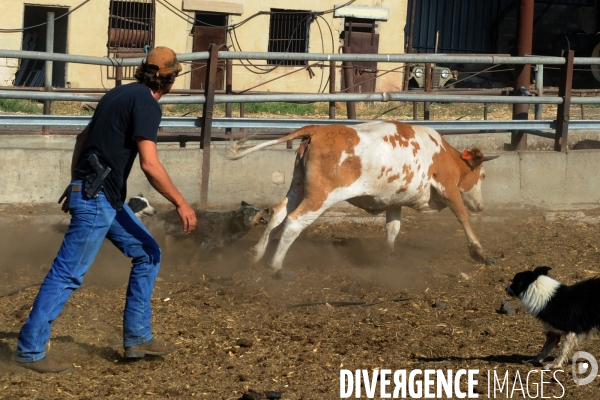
(65, 204)
(188, 217)
(160, 180)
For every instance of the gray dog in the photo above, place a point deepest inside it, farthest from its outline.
(214, 229)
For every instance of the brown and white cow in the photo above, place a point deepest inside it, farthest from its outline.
(376, 166)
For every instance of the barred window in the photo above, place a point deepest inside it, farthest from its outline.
(131, 29)
(288, 33)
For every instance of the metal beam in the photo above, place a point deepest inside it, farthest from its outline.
(77, 59)
(241, 55)
(48, 64)
(563, 111)
(207, 119)
(295, 123)
(311, 97)
(523, 72)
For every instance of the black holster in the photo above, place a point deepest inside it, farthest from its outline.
(94, 180)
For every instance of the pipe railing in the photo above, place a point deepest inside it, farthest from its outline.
(310, 97)
(233, 55)
(296, 123)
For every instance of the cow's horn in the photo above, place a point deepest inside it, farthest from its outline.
(488, 158)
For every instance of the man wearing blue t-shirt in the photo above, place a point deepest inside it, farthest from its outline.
(124, 124)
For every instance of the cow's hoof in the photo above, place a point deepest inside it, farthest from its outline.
(251, 256)
(285, 275)
(491, 261)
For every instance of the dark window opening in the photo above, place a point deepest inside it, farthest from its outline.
(359, 25)
(209, 28)
(31, 73)
(212, 20)
(131, 31)
(288, 33)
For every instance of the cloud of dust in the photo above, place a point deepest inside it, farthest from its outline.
(424, 254)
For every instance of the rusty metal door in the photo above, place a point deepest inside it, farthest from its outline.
(203, 37)
(365, 72)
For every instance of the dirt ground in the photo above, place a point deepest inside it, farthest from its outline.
(428, 307)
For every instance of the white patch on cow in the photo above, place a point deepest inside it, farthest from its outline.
(372, 191)
(343, 158)
(473, 198)
(538, 294)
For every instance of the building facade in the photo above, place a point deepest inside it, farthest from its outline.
(127, 28)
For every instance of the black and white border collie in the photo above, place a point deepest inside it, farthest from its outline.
(140, 206)
(568, 312)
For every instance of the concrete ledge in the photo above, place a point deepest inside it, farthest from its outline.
(34, 172)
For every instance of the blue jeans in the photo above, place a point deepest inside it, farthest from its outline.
(92, 220)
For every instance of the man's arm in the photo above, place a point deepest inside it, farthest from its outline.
(159, 179)
(79, 141)
(77, 150)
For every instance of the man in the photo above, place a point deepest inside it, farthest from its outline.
(124, 124)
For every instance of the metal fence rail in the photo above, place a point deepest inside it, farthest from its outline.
(296, 123)
(232, 55)
(312, 98)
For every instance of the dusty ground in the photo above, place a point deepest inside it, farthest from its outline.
(235, 331)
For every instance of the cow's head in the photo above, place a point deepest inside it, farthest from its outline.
(470, 183)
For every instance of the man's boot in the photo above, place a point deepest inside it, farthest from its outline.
(47, 365)
(152, 347)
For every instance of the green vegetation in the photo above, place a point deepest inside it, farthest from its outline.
(286, 109)
(393, 110)
(279, 108)
(20, 106)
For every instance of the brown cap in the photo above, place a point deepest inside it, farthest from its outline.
(163, 61)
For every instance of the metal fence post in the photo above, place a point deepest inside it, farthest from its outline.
(539, 86)
(428, 88)
(561, 138)
(118, 75)
(49, 64)
(207, 116)
(348, 68)
(523, 72)
(228, 88)
(332, 89)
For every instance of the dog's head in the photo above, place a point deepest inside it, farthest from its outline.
(533, 288)
(252, 215)
(140, 206)
(523, 280)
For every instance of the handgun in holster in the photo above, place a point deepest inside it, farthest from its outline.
(94, 180)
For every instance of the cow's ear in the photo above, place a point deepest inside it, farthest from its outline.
(541, 270)
(473, 157)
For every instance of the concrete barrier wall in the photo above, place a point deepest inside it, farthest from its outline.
(36, 170)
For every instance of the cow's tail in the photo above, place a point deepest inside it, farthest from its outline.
(234, 152)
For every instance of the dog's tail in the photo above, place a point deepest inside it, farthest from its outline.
(234, 152)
